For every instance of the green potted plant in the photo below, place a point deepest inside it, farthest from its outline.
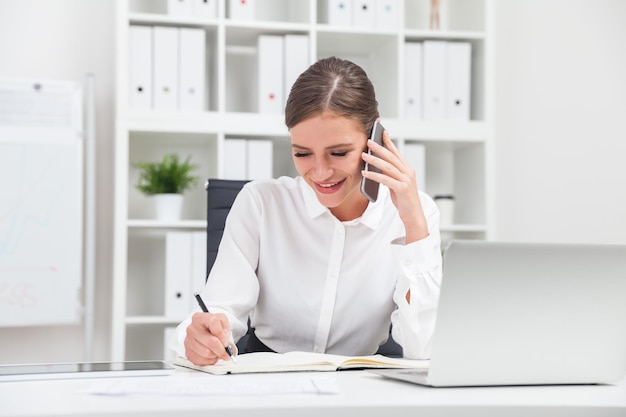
(165, 182)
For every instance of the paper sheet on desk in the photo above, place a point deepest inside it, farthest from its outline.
(231, 386)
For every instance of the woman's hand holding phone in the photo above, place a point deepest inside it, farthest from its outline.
(399, 177)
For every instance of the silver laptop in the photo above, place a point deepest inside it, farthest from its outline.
(528, 314)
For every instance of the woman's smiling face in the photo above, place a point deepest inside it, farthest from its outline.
(327, 153)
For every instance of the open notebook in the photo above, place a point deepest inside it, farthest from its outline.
(259, 362)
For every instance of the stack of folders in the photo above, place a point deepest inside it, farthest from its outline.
(185, 275)
(167, 68)
(380, 14)
(185, 271)
(281, 59)
(438, 80)
(248, 159)
(206, 9)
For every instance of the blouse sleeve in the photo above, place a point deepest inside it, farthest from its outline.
(419, 268)
(232, 287)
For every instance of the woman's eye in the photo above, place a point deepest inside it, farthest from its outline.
(339, 154)
(300, 154)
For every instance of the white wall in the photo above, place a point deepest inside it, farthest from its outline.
(64, 40)
(560, 110)
(561, 139)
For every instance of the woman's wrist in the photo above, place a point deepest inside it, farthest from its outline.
(416, 231)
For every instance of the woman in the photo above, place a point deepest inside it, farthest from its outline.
(313, 264)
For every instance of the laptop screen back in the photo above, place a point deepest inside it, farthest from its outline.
(521, 313)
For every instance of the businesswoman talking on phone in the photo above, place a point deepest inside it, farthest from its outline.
(310, 260)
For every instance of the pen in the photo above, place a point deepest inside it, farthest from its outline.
(206, 310)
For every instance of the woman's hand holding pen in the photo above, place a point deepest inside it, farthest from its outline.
(399, 177)
(206, 337)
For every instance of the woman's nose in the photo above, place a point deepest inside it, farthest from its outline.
(322, 169)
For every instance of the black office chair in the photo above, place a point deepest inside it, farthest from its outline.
(220, 197)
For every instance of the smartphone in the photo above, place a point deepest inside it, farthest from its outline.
(369, 188)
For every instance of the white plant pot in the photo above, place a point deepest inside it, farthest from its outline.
(168, 206)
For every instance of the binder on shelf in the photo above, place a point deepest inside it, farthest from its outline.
(259, 157)
(192, 74)
(458, 79)
(364, 13)
(338, 12)
(271, 70)
(235, 163)
(198, 266)
(296, 60)
(179, 8)
(140, 67)
(242, 10)
(165, 68)
(248, 159)
(177, 274)
(206, 9)
(387, 14)
(434, 79)
(413, 80)
(415, 155)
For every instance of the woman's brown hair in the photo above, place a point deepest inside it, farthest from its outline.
(333, 85)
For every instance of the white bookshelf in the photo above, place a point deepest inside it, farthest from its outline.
(459, 155)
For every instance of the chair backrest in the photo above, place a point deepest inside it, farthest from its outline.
(220, 197)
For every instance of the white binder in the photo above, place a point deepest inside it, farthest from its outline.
(458, 78)
(192, 75)
(271, 71)
(434, 84)
(338, 12)
(198, 266)
(206, 9)
(387, 14)
(364, 13)
(415, 155)
(177, 274)
(140, 67)
(179, 8)
(242, 10)
(296, 59)
(235, 159)
(260, 159)
(165, 68)
(413, 80)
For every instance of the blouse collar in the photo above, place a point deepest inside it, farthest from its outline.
(371, 217)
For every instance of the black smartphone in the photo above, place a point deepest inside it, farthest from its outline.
(369, 188)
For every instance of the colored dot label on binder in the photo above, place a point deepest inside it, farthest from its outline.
(271, 96)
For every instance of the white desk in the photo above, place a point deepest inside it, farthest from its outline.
(360, 394)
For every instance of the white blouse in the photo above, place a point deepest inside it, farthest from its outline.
(310, 282)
